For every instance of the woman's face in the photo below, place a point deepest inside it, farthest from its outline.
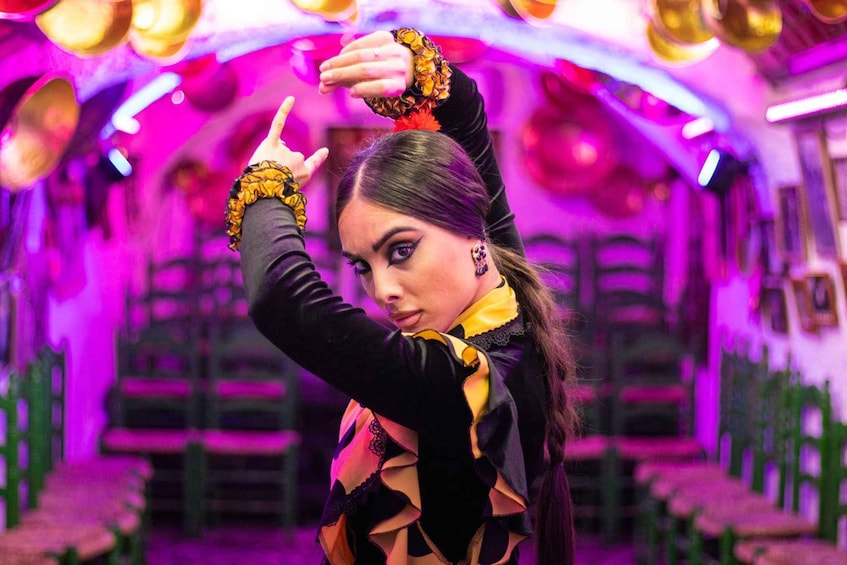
(420, 275)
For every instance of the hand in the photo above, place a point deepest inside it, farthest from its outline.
(272, 148)
(371, 66)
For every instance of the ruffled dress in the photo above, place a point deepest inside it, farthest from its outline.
(440, 448)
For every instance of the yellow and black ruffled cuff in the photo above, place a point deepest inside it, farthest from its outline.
(265, 179)
(432, 78)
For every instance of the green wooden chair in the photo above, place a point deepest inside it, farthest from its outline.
(250, 441)
(765, 427)
(109, 491)
(67, 544)
(822, 547)
(9, 405)
(652, 413)
(560, 262)
(727, 524)
(627, 291)
(661, 532)
(158, 378)
(160, 349)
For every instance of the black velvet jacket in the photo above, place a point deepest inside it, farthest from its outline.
(414, 382)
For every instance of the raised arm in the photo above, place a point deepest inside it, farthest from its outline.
(406, 379)
(422, 80)
(462, 117)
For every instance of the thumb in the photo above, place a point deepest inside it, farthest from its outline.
(316, 159)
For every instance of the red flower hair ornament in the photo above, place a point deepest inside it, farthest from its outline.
(417, 119)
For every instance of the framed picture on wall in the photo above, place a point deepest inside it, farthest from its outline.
(771, 259)
(746, 235)
(791, 224)
(803, 301)
(774, 306)
(822, 299)
(6, 332)
(814, 162)
(839, 181)
(844, 278)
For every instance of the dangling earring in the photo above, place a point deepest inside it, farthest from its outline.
(478, 253)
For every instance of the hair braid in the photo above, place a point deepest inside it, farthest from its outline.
(554, 520)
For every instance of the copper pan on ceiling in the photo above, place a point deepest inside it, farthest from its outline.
(87, 27)
(20, 10)
(669, 51)
(330, 10)
(751, 25)
(161, 28)
(39, 116)
(569, 152)
(165, 19)
(532, 11)
(681, 21)
(163, 51)
(829, 11)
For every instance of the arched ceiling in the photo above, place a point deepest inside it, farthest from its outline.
(730, 87)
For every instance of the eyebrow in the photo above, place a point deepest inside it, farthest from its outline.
(381, 241)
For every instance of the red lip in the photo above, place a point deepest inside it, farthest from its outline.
(405, 319)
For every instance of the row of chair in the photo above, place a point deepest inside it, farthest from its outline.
(55, 511)
(637, 366)
(585, 272)
(233, 446)
(782, 461)
(203, 395)
(642, 411)
(168, 379)
(216, 472)
(174, 372)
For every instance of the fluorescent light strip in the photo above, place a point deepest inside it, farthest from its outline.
(807, 106)
(698, 127)
(120, 162)
(709, 168)
(142, 98)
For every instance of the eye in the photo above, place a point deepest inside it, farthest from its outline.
(359, 267)
(401, 252)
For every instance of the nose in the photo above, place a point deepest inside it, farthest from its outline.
(385, 288)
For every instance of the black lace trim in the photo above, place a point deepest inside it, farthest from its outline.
(500, 336)
(359, 495)
(357, 498)
(377, 444)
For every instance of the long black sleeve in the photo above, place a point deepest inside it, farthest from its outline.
(462, 117)
(415, 382)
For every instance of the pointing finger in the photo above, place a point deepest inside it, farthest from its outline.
(281, 116)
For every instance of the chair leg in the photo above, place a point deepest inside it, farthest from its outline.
(70, 557)
(671, 526)
(115, 557)
(139, 541)
(194, 487)
(136, 548)
(727, 542)
(290, 491)
(695, 543)
(611, 476)
(648, 518)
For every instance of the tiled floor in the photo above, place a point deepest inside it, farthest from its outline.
(258, 545)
